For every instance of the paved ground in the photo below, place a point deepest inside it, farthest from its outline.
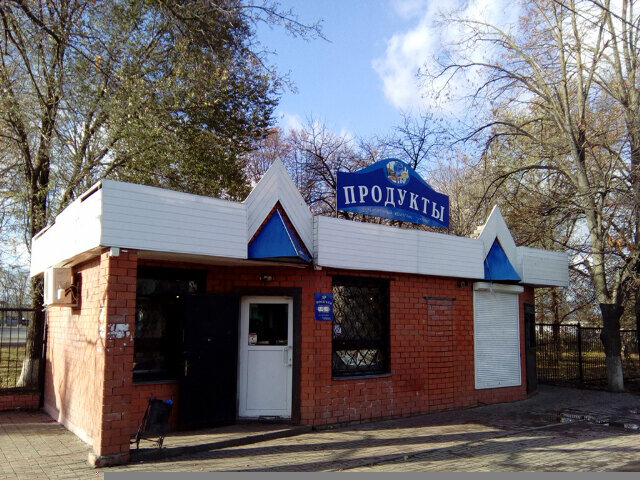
(559, 429)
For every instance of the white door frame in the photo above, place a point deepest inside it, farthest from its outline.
(243, 358)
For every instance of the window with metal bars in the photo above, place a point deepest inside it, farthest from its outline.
(360, 344)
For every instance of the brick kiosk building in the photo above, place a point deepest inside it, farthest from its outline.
(222, 307)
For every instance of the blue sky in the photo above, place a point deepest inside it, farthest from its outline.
(364, 77)
(336, 81)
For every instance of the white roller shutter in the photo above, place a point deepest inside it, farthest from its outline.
(496, 336)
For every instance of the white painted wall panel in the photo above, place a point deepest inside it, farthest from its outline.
(76, 230)
(260, 202)
(297, 210)
(346, 244)
(544, 267)
(148, 218)
(352, 245)
(496, 340)
(450, 256)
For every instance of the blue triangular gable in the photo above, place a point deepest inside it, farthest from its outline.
(276, 241)
(497, 266)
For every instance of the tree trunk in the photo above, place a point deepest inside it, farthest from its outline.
(32, 363)
(31, 368)
(610, 337)
(638, 326)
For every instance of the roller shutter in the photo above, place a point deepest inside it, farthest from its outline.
(497, 339)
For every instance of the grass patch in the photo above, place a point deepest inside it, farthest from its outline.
(558, 366)
(11, 364)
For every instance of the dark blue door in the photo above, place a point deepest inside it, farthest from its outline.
(209, 377)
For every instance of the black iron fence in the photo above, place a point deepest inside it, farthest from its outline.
(575, 353)
(14, 323)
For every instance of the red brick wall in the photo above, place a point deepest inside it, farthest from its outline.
(431, 344)
(120, 294)
(22, 401)
(89, 384)
(75, 356)
(90, 354)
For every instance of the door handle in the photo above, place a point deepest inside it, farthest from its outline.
(287, 356)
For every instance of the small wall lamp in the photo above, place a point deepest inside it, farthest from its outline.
(266, 278)
(462, 283)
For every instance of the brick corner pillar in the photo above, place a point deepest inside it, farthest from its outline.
(117, 325)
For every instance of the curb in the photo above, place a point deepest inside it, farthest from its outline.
(570, 417)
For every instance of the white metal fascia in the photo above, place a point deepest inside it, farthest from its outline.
(496, 228)
(74, 231)
(497, 287)
(276, 186)
(365, 246)
(544, 268)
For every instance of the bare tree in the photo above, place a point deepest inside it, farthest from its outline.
(318, 154)
(418, 140)
(544, 83)
(274, 145)
(620, 81)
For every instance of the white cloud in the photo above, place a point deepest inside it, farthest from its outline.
(347, 135)
(404, 55)
(291, 121)
(409, 51)
(409, 8)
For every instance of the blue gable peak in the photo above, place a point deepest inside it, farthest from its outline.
(276, 241)
(497, 265)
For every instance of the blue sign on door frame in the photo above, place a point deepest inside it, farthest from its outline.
(323, 306)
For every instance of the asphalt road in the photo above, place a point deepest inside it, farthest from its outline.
(13, 335)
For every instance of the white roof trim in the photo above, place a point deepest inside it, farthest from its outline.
(496, 227)
(497, 287)
(276, 186)
(164, 222)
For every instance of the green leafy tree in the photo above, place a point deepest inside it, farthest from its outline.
(162, 92)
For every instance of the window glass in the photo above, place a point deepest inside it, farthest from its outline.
(360, 326)
(160, 320)
(268, 324)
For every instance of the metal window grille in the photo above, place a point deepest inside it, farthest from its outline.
(360, 326)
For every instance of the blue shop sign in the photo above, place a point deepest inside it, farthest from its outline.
(392, 189)
(324, 306)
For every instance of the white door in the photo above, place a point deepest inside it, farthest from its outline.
(266, 343)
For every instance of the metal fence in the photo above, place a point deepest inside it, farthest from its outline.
(575, 353)
(14, 323)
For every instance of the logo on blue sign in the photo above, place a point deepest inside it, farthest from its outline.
(397, 172)
(392, 189)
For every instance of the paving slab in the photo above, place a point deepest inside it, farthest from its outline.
(558, 429)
